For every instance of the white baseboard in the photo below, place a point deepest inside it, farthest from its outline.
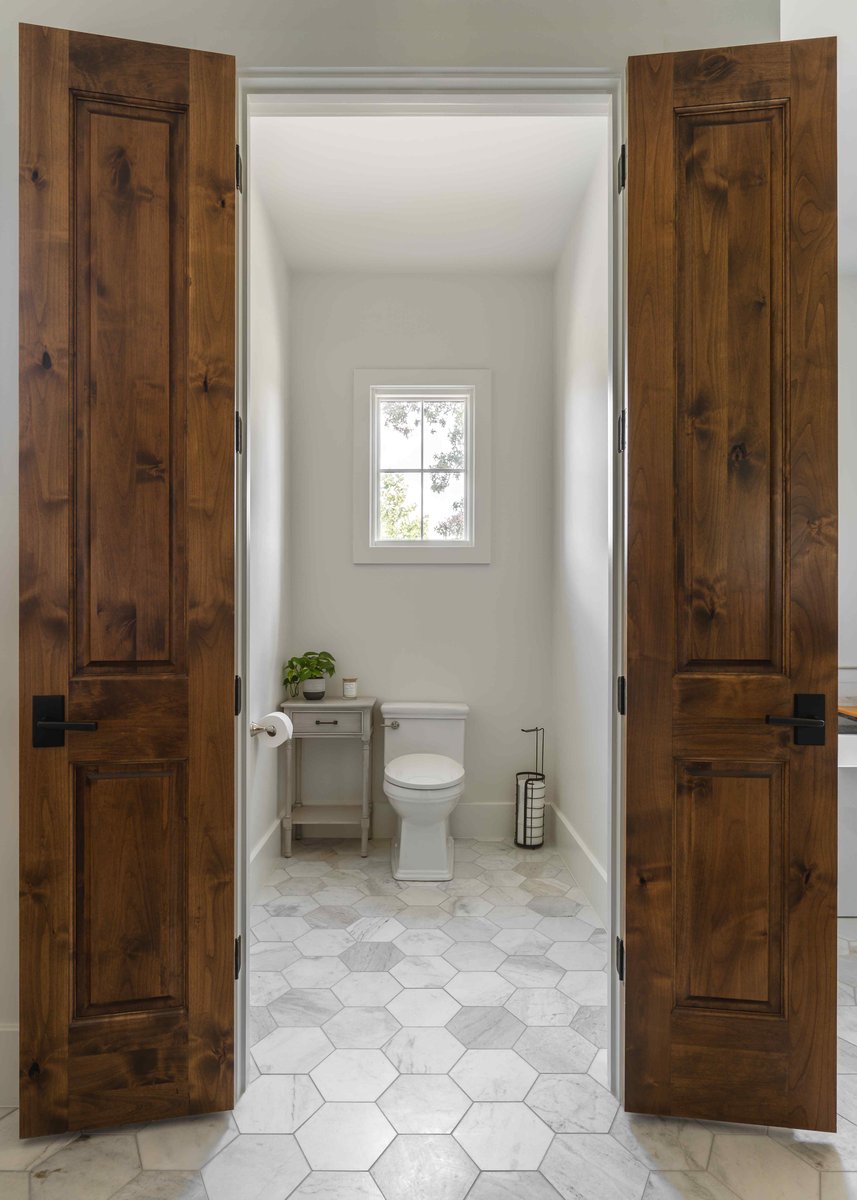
(583, 864)
(8, 1066)
(262, 856)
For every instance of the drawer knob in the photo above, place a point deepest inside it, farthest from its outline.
(318, 722)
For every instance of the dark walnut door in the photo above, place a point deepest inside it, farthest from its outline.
(730, 994)
(126, 333)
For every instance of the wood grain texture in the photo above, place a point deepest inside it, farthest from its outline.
(729, 848)
(127, 374)
(650, 608)
(211, 616)
(131, 916)
(44, 499)
(730, 974)
(731, 390)
(130, 384)
(127, 1068)
(132, 70)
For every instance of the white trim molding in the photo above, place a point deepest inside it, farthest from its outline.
(8, 1065)
(262, 857)
(370, 384)
(437, 91)
(590, 874)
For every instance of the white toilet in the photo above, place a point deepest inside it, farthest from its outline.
(423, 780)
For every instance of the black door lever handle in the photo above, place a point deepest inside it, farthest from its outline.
(81, 726)
(797, 722)
(50, 725)
(807, 721)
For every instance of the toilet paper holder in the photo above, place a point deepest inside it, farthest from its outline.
(256, 729)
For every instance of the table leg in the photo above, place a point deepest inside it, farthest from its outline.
(366, 816)
(299, 774)
(286, 829)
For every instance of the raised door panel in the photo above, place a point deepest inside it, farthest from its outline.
(729, 856)
(731, 411)
(130, 264)
(131, 883)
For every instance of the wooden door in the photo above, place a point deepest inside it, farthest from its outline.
(730, 993)
(126, 385)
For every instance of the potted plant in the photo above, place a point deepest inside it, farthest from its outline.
(308, 669)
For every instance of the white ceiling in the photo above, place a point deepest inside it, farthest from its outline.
(424, 193)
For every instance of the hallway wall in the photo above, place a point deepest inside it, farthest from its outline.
(583, 448)
(267, 450)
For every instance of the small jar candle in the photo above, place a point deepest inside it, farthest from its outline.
(349, 688)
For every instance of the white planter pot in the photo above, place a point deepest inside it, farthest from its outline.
(313, 689)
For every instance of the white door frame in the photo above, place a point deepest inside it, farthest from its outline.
(318, 92)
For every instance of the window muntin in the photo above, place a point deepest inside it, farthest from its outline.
(422, 466)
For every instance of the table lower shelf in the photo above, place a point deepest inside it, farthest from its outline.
(327, 814)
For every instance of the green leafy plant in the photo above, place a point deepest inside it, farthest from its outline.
(312, 664)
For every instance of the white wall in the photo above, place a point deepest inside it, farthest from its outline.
(268, 548)
(820, 19)
(581, 586)
(475, 633)
(294, 33)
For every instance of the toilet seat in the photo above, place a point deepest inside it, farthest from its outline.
(424, 773)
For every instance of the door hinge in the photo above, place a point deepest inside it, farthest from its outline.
(238, 956)
(622, 433)
(237, 695)
(621, 698)
(239, 169)
(622, 168)
(239, 434)
(620, 959)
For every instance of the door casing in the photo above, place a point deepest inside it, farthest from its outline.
(331, 92)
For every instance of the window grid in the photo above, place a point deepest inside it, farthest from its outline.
(423, 396)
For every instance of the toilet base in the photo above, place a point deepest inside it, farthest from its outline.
(438, 874)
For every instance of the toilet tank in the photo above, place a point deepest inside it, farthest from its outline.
(424, 728)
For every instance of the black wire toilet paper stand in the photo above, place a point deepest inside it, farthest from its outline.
(530, 797)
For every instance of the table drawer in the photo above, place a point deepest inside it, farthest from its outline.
(331, 723)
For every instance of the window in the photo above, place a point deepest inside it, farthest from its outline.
(422, 466)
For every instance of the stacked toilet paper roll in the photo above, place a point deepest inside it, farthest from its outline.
(282, 729)
(530, 809)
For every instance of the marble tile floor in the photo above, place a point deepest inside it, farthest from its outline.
(437, 1042)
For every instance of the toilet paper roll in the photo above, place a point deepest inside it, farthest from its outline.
(530, 817)
(282, 726)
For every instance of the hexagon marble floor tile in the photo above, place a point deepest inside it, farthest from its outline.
(436, 1042)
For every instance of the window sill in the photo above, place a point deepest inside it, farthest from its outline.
(422, 555)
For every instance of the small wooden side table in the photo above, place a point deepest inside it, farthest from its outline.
(325, 719)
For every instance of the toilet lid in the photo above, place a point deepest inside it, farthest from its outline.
(424, 771)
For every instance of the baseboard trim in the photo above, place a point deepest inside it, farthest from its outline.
(261, 856)
(583, 864)
(8, 1065)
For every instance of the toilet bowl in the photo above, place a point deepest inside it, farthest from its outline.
(423, 780)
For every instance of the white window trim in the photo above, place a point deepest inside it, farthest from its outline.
(477, 383)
